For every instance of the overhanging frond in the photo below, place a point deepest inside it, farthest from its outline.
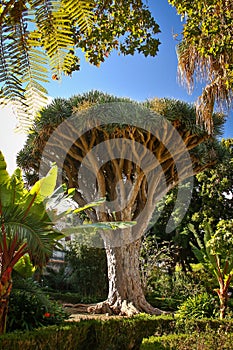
(22, 68)
(205, 54)
(80, 12)
(54, 32)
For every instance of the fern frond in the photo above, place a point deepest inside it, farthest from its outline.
(70, 63)
(12, 86)
(80, 12)
(54, 32)
(35, 99)
(25, 67)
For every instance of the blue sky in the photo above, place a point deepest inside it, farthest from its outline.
(135, 76)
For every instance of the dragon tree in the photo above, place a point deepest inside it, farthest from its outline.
(130, 153)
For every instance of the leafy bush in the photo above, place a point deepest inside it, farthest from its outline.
(190, 326)
(199, 306)
(178, 285)
(166, 304)
(30, 308)
(88, 270)
(125, 334)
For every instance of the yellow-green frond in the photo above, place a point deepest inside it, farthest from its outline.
(80, 12)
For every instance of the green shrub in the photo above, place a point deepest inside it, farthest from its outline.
(189, 326)
(166, 304)
(30, 308)
(199, 306)
(84, 272)
(124, 334)
(178, 286)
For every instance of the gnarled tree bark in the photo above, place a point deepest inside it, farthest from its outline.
(126, 296)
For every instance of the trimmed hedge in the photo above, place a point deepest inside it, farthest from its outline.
(166, 304)
(112, 334)
(72, 298)
(199, 341)
(124, 334)
(203, 325)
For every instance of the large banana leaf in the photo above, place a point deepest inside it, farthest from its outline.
(88, 228)
(25, 221)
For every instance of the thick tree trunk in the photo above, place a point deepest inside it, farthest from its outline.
(126, 296)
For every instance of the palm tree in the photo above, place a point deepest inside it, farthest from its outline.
(205, 53)
(26, 227)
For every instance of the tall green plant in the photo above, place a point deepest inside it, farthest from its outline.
(216, 255)
(26, 227)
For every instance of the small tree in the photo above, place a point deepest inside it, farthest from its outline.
(216, 255)
(87, 268)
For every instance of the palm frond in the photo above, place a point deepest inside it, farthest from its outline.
(39, 243)
(21, 67)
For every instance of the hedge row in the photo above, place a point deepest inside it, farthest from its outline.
(203, 325)
(199, 341)
(112, 334)
(73, 298)
(121, 333)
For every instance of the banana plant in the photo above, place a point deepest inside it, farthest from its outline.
(25, 227)
(216, 256)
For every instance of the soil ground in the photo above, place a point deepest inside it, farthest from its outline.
(79, 312)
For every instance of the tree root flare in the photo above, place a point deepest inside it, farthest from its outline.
(124, 308)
